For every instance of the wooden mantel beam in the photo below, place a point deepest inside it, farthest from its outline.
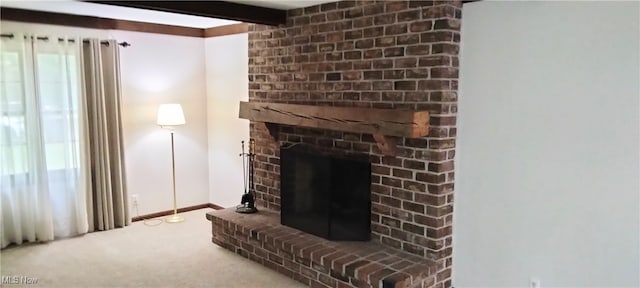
(381, 123)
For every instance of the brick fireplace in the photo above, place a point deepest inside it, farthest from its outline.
(375, 54)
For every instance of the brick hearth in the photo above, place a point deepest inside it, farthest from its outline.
(373, 54)
(315, 261)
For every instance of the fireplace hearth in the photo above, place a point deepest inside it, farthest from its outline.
(326, 195)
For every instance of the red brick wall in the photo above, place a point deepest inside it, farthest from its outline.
(382, 54)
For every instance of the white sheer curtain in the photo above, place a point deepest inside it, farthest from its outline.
(44, 175)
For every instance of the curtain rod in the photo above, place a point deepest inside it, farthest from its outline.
(123, 44)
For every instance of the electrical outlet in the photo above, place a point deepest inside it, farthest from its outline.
(134, 198)
(534, 283)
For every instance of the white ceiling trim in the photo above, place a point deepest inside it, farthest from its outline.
(150, 16)
(117, 12)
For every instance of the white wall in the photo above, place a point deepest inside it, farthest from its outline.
(159, 69)
(156, 69)
(227, 85)
(548, 149)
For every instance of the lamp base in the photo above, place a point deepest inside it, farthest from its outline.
(175, 218)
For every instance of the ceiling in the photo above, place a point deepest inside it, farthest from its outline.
(142, 15)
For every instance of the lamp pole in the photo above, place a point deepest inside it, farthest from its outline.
(169, 116)
(175, 218)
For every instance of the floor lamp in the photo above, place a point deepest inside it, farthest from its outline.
(169, 116)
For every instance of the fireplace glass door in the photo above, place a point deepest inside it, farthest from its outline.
(325, 195)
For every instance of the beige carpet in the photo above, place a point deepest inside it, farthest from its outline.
(167, 255)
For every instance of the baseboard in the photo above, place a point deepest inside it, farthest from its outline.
(180, 210)
(215, 207)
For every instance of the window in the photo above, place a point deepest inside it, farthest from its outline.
(13, 140)
(55, 100)
(59, 109)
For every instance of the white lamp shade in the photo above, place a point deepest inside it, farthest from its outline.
(170, 115)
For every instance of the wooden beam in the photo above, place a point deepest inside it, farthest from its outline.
(386, 144)
(226, 30)
(273, 130)
(388, 122)
(212, 9)
(52, 18)
(157, 28)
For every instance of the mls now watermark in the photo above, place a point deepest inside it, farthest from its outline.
(19, 280)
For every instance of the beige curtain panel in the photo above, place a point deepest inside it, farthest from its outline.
(107, 201)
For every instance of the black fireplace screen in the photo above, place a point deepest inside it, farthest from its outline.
(328, 196)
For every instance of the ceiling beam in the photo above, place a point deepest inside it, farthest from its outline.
(63, 19)
(212, 9)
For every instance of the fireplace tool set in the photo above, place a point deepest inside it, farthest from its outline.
(248, 202)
